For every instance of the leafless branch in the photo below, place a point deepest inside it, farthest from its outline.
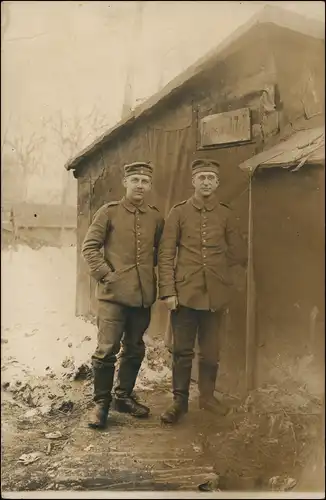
(72, 133)
(27, 151)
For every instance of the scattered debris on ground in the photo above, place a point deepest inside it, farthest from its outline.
(271, 441)
(29, 458)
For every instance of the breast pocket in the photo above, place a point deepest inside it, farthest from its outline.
(215, 237)
(190, 236)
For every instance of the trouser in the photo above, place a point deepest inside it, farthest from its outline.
(186, 324)
(118, 324)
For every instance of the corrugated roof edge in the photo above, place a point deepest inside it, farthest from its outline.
(269, 14)
(304, 145)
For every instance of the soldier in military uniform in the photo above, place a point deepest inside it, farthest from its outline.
(129, 231)
(198, 245)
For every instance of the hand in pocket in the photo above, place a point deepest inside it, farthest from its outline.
(108, 278)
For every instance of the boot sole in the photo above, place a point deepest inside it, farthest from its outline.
(173, 421)
(127, 412)
(146, 415)
(119, 409)
(96, 426)
(168, 422)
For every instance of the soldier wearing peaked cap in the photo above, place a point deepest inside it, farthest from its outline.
(129, 232)
(198, 245)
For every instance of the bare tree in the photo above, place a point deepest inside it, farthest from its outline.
(4, 135)
(71, 135)
(28, 158)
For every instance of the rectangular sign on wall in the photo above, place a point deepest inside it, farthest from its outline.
(225, 128)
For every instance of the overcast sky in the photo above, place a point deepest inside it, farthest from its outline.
(70, 56)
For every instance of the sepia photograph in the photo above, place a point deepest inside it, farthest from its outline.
(163, 249)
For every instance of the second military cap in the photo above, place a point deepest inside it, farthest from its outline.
(205, 165)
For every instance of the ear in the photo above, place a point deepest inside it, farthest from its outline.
(124, 182)
(193, 181)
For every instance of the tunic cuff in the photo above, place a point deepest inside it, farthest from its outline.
(167, 291)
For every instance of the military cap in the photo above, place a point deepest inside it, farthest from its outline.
(205, 165)
(138, 167)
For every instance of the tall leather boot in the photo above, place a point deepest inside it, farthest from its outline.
(123, 400)
(207, 375)
(103, 381)
(181, 376)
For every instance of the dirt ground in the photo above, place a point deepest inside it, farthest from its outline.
(244, 450)
(273, 440)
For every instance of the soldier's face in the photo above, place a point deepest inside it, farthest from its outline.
(205, 183)
(137, 186)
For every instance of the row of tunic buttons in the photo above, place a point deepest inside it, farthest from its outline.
(204, 234)
(138, 234)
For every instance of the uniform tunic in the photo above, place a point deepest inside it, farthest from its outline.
(198, 245)
(130, 237)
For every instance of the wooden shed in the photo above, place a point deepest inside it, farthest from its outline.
(250, 94)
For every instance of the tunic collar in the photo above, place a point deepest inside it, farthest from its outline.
(199, 204)
(132, 208)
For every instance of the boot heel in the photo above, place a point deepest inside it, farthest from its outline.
(99, 417)
(174, 413)
(129, 405)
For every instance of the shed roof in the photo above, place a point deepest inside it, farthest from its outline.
(301, 147)
(268, 14)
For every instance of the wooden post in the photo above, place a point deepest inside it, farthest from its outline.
(251, 302)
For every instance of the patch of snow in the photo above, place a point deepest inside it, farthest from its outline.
(40, 334)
